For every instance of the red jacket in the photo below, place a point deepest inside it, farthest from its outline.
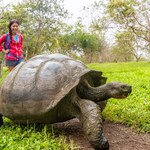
(15, 52)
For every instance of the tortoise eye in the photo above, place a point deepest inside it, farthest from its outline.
(123, 86)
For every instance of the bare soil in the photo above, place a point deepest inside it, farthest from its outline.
(120, 137)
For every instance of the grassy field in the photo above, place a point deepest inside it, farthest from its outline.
(19, 137)
(133, 111)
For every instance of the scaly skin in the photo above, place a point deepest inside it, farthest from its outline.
(89, 114)
(90, 117)
(104, 92)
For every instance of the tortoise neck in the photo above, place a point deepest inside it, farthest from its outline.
(85, 91)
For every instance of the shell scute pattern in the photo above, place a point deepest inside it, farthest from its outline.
(44, 77)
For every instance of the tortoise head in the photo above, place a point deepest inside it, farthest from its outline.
(119, 90)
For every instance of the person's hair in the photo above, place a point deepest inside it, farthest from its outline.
(9, 26)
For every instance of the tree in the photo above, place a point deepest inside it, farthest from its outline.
(127, 48)
(42, 22)
(115, 16)
(46, 21)
(132, 15)
(122, 50)
(99, 25)
(81, 42)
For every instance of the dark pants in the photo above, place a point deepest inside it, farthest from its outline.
(14, 63)
(1, 119)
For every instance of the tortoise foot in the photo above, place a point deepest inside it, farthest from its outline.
(104, 147)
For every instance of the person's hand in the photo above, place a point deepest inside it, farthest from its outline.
(5, 51)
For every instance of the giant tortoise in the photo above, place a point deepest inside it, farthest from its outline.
(55, 88)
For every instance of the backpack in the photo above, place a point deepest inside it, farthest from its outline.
(7, 42)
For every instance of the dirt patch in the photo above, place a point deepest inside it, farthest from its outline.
(119, 136)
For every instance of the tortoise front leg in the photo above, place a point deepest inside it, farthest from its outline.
(90, 117)
(1, 119)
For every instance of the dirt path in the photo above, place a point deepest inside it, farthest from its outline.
(119, 136)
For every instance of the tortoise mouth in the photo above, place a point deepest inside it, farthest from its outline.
(127, 92)
(122, 95)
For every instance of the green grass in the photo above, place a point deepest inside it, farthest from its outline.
(134, 110)
(4, 74)
(33, 137)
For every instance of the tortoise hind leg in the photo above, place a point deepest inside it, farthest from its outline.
(90, 117)
(1, 119)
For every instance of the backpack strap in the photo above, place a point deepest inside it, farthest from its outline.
(7, 42)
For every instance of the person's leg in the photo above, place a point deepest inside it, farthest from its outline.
(10, 64)
(10, 68)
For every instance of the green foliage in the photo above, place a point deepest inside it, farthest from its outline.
(5, 72)
(35, 137)
(132, 15)
(120, 9)
(134, 110)
(42, 21)
(82, 39)
(124, 49)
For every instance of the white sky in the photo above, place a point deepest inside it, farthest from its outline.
(74, 7)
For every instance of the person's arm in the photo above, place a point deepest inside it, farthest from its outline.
(5, 51)
(2, 40)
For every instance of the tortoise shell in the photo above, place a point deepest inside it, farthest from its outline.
(38, 84)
